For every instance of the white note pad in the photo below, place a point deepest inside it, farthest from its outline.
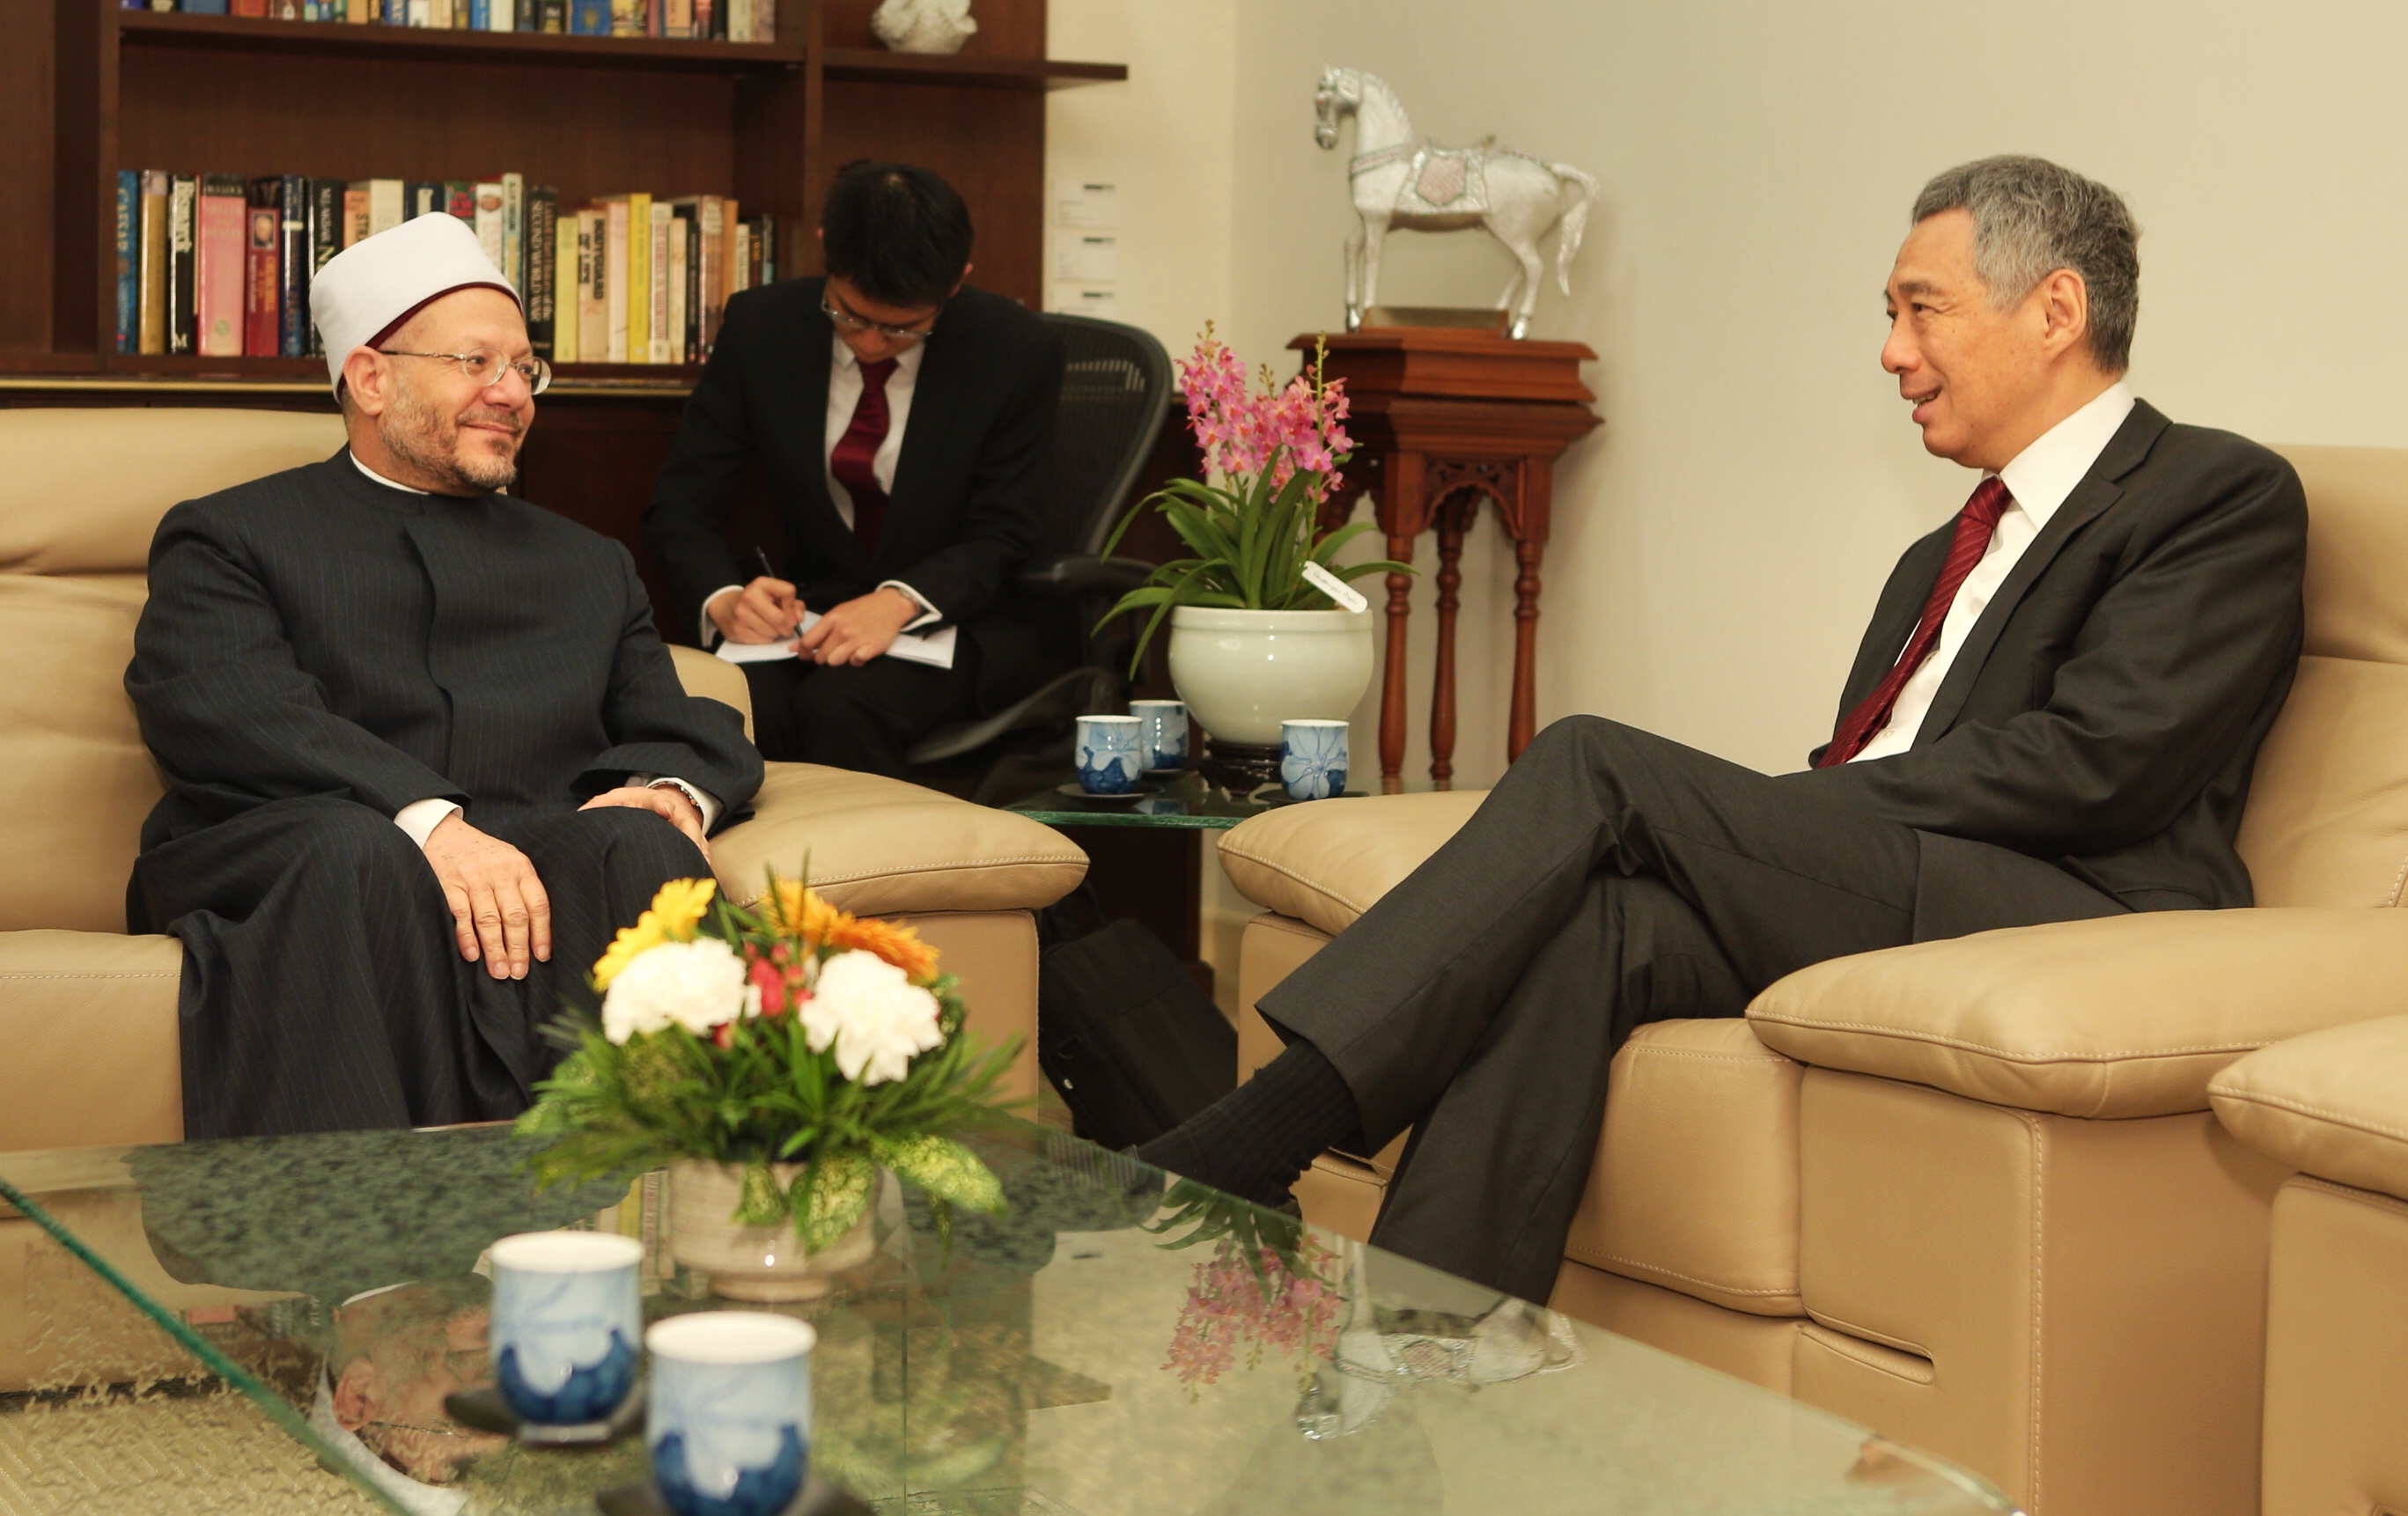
(934, 648)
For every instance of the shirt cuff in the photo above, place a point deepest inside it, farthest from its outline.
(420, 818)
(930, 615)
(705, 804)
(709, 628)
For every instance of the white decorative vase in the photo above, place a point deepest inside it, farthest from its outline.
(756, 1262)
(1244, 672)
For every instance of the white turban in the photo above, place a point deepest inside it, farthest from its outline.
(371, 287)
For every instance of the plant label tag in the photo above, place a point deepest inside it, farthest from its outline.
(1347, 596)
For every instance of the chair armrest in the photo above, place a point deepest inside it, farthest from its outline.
(1327, 863)
(2120, 1017)
(1072, 576)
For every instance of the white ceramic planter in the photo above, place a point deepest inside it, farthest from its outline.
(755, 1262)
(1244, 672)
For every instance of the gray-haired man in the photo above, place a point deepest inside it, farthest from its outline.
(2052, 715)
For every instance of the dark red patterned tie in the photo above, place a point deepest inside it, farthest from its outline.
(1974, 524)
(856, 454)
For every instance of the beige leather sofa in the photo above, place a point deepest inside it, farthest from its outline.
(2333, 1105)
(1969, 1192)
(88, 1013)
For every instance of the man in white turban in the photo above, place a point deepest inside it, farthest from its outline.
(425, 753)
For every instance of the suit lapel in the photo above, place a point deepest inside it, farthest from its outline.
(2098, 490)
(944, 368)
(814, 342)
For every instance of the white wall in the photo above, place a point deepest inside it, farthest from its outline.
(1720, 539)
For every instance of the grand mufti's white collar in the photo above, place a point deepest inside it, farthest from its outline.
(379, 478)
(2043, 474)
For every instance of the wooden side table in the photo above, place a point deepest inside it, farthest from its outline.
(1442, 419)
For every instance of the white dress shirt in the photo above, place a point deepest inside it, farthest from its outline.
(420, 818)
(844, 399)
(2038, 480)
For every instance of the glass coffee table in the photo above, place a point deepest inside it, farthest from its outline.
(1184, 801)
(272, 1325)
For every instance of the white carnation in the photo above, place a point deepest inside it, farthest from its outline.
(872, 1012)
(698, 985)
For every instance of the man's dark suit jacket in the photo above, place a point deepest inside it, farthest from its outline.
(2105, 712)
(966, 506)
(316, 632)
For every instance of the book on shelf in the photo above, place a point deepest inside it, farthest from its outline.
(218, 273)
(420, 197)
(355, 213)
(610, 273)
(727, 20)
(512, 263)
(262, 304)
(592, 287)
(294, 265)
(327, 224)
(488, 224)
(150, 297)
(553, 16)
(657, 271)
(589, 18)
(460, 199)
(129, 260)
(183, 205)
(567, 249)
(680, 266)
(540, 261)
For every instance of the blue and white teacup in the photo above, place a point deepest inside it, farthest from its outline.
(1312, 759)
(568, 1318)
(728, 1419)
(1161, 733)
(1107, 754)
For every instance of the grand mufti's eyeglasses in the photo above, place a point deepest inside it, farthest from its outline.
(485, 366)
(852, 322)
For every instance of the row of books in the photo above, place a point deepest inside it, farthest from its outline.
(722, 20)
(220, 265)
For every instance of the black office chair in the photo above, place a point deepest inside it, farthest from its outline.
(1116, 395)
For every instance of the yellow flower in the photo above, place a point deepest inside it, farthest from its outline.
(801, 912)
(675, 911)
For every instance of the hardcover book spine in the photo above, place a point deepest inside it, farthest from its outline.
(525, 16)
(592, 287)
(184, 197)
(419, 197)
(677, 18)
(219, 283)
(555, 16)
(204, 7)
(767, 239)
(626, 18)
(765, 19)
(673, 327)
(129, 260)
(739, 274)
(460, 199)
(501, 16)
(325, 240)
(512, 263)
(384, 205)
(355, 213)
(156, 193)
(263, 299)
(361, 12)
(589, 18)
(541, 260)
(689, 227)
(568, 258)
(245, 7)
(618, 263)
(656, 331)
(294, 266)
(489, 220)
(480, 15)
(739, 20)
(640, 278)
(714, 285)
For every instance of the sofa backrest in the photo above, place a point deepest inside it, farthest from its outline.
(81, 493)
(2327, 818)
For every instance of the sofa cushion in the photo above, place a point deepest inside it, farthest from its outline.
(70, 747)
(89, 1019)
(2332, 1102)
(878, 846)
(2118, 1016)
(2328, 817)
(2357, 551)
(1695, 1187)
(84, 489)
(1325, 863)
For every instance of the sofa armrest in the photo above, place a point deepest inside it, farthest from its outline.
(713, 678)
(2333, 1104)
(1325, 863)
(880, 847)
(89, 1022)
(2124, 1016)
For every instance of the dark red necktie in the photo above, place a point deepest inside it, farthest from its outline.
(1974, 524)
(854, 461)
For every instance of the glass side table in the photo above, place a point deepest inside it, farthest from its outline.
(1183, 802)
(269, 1325)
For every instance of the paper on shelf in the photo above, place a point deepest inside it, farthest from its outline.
(934, 648)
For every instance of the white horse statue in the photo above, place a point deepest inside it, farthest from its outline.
(1422, 187)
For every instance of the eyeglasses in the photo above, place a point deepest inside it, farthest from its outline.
(484, 368)
(852, 322)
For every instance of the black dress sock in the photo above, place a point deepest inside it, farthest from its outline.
(1254, 1141)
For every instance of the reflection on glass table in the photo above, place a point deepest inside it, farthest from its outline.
(1184, 800)
(227, 1315)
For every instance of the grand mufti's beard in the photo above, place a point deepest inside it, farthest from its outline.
(428, 440)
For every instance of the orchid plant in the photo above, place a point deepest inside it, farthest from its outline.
(1276, 452)
(789, 1032)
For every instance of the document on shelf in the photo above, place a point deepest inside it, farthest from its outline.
(934, 648)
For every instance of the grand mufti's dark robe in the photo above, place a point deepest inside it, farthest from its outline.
(319, 650)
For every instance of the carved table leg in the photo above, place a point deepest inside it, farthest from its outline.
(1392, 688)
(1451, 517)
(1520, 729)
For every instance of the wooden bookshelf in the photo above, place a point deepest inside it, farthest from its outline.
(87, 89)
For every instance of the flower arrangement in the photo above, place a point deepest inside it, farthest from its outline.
(1277, 454)
(787, 1033)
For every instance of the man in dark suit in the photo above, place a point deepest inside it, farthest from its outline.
(425, 753)
(900, 417)
(2053, 716)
